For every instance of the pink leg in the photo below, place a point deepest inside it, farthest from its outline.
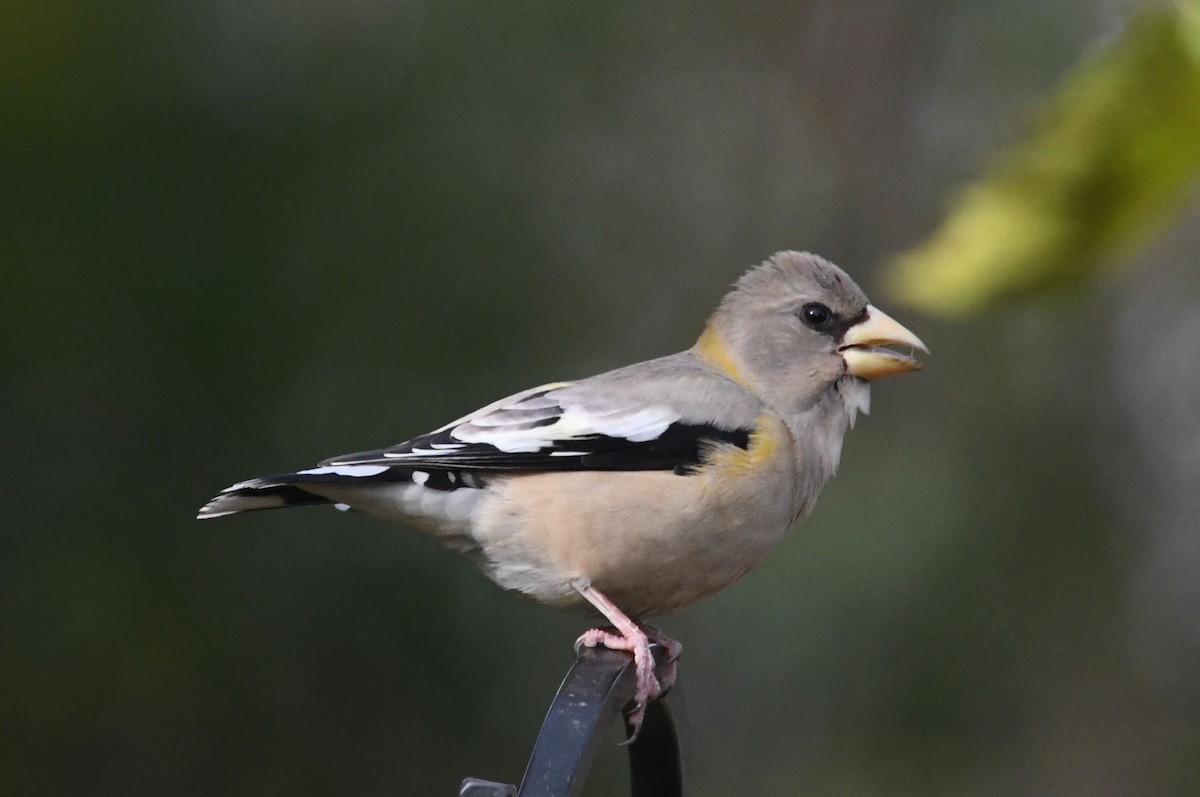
(631, 639)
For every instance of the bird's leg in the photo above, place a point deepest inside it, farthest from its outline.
(631, 639)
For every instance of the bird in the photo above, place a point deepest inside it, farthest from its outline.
(641, 491)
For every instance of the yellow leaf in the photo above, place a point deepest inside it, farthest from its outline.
(1113, 158)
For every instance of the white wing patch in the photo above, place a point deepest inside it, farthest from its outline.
(542, 419)
(521, 436)
(342, 470)
(639, 425)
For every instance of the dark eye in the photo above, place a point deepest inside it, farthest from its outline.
(816, 315)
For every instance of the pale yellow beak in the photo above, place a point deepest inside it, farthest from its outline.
(864, 347)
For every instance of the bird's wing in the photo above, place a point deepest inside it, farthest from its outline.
(561, 426)
(666, 414)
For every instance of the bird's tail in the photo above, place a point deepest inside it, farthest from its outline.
(289, 489)
(272, 492)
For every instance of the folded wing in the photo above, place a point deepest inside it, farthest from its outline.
(554, 427)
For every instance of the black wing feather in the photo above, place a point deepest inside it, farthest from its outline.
(680, 448)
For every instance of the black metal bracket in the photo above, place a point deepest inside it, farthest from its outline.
(597, 688)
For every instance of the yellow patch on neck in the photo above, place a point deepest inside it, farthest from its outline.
(713, 350)
(765, 441)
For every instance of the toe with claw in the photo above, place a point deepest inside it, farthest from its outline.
(648, 687)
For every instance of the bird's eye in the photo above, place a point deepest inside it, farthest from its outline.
(816, 315)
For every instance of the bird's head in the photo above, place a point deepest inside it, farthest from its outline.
(796, 326)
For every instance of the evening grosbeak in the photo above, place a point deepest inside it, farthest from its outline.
(643, 490)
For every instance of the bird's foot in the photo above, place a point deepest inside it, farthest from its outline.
(631, 638)
(670, 668)
(636, 642)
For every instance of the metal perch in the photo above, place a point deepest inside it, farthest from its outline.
(597, 687)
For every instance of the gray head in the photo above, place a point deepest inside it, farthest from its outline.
(797, 325)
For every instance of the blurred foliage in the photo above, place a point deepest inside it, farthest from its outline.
(1115, 155)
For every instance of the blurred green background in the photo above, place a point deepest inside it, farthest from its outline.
(238, 237)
